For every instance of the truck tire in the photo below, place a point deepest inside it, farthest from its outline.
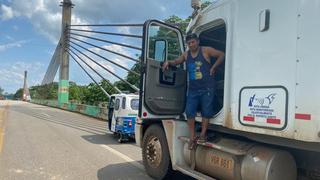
(155, 153)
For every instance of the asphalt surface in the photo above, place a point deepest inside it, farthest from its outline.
(38, 142)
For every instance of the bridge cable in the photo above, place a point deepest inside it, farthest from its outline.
(118, 90)
(107, 25)
(105, 58)
(106, 41)
(103, 67)
(122, 55)
(108, 33)
(103, 90)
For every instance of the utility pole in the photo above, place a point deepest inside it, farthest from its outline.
(63, 93)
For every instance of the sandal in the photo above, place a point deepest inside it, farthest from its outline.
(202, 139)
(193, 143)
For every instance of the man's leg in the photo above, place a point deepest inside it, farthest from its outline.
(204, 127)
(191, 111)
(191, 124)
(206, 111)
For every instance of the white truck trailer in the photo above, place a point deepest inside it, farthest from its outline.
(267, 121)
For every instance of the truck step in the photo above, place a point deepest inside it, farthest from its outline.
(225, 145)
(195, 174)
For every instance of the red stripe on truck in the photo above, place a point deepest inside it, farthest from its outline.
(303, 116)
(248, 118)
(273, 121)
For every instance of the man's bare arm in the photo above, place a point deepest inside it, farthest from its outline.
(177, 61)
(217, 54)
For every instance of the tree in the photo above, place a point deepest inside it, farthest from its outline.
(48, 91)
(205, 4)
(93, 94)
(131, 78)
(75, 92)
(182, 24)
(18, 94)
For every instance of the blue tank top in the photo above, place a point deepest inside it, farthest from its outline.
(198, 69)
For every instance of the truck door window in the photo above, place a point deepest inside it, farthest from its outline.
(158, 34)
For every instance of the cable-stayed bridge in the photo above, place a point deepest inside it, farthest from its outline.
(93, 47)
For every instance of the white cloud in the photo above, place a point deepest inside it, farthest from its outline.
(9, 37)
(18, 44)
(45, 15)
(12, 75)
(6, 12)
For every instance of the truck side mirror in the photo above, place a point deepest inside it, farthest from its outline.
(161, 50)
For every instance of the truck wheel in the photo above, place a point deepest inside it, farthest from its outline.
(155, 153)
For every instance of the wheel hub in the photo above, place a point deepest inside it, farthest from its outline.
(154, 152)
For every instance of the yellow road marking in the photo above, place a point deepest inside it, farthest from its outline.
(2, 119)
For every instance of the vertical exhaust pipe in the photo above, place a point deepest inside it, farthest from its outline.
(196, 5)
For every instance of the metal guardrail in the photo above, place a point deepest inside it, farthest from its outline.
(92, 111)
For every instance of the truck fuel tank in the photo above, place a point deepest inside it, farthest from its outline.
(248, 162)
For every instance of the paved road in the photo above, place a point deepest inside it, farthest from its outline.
(47, 143)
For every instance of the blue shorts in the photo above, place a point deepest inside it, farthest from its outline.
(202, 98)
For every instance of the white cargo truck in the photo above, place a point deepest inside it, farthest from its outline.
(267, 120)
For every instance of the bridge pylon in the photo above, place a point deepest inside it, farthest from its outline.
(63, 92)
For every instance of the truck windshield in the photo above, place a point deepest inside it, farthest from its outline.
(134, 104)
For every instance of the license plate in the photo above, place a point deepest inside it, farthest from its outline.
(222, 162)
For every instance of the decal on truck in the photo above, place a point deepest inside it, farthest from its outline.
(264, 107)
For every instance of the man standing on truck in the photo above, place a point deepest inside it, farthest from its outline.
(201, 87)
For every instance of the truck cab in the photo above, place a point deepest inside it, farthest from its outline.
(122, 113)
(267, 120)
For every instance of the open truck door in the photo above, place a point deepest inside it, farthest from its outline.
(163, 92)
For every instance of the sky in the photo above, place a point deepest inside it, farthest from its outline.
(30, 30)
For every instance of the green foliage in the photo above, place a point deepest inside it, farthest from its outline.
(18, 94)
(76, 93)
(182, 24)
(92, 94)
(131, 78)
(48, 91)
(205, 4)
